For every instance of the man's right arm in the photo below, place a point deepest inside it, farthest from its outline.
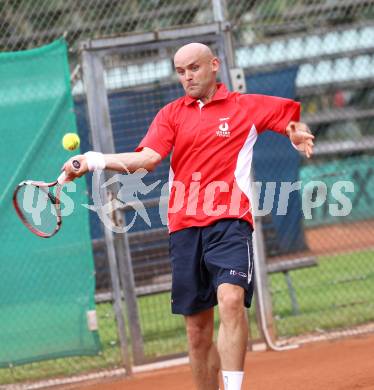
(147, 159)
(155, 146)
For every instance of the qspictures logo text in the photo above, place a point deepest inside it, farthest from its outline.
(131, 190)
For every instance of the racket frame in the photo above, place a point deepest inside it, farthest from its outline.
(54, 199)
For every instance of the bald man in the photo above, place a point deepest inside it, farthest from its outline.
(211, 133)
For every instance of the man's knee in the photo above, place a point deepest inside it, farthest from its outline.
(199, 329)
(230, 300)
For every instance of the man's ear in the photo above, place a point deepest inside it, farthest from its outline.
(215, 64)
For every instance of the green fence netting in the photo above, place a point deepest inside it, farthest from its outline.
(46, 285)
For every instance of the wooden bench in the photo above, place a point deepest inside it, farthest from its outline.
(285, 266)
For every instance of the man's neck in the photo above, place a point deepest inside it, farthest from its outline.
(209, 96)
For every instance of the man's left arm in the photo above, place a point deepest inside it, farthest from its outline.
(301, 137)
(280, 115)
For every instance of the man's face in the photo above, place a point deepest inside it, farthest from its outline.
(197, 73)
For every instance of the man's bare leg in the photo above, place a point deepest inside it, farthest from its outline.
(233, 330)
(204, 358)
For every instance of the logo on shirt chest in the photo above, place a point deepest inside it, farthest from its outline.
(223, 128)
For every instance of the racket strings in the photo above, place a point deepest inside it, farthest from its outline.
(39, 208)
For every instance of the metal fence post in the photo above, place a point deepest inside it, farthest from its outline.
(262, 282)
(220, 15)
(98, 109)
(117, 299)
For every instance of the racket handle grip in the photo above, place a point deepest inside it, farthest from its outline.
(61, 179)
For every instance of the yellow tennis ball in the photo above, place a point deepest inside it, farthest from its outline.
(71, 141)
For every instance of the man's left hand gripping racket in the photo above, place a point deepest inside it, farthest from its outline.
(38, 207)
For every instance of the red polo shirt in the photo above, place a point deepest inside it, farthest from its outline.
(212, 149)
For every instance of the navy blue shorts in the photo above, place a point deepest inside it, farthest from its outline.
(202, 258)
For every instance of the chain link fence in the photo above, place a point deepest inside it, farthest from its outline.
(320, 252)
(26, 24)
(330, 43)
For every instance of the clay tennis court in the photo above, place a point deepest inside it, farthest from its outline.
(345, 364)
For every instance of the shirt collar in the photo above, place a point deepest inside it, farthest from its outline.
(220, 94)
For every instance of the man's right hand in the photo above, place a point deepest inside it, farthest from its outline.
(71, 172)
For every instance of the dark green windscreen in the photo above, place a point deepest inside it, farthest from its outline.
(46, 285)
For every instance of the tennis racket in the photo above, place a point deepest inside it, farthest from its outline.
(38, 204)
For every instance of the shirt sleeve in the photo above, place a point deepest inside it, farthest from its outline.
(160, 135)
(272, 113)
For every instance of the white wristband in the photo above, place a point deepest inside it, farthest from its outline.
(95, 161)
